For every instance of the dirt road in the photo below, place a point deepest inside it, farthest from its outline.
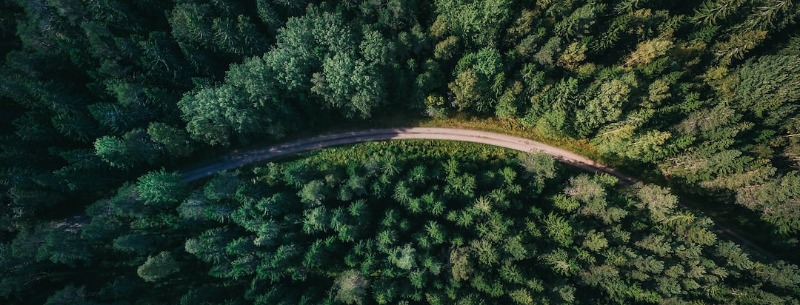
(235, 160)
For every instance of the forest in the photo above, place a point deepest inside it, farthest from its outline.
(102, 103)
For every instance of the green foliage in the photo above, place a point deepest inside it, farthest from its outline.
(479, 21)
(96, 93)
(112, 150)
(657, 200)
(205, 30)
(769, 89)
(175, 141)
(161, 187)
(463, 230)
(245, 105)
(158, 268)
(541, 166)
(133, 149)
(605, 106)
(461, 267)
(304, 43)
(350, 287)
(778, 199)
(579, 22)
(478, 78)
(558, 229)
(69, 295)
(349, 84)
(63, 245)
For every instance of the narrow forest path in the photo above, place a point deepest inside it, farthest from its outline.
(238, 159)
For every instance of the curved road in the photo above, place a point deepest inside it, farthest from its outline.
(239, 159)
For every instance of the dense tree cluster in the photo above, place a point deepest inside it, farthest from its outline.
(374, 227)
(706, 93)
(95, 94)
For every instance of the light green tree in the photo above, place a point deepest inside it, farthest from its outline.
(161, 187)
(158, 268)
(350, 287)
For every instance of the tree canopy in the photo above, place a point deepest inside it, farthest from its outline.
(102, 102)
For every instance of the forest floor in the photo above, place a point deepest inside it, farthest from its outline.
(238, 159)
